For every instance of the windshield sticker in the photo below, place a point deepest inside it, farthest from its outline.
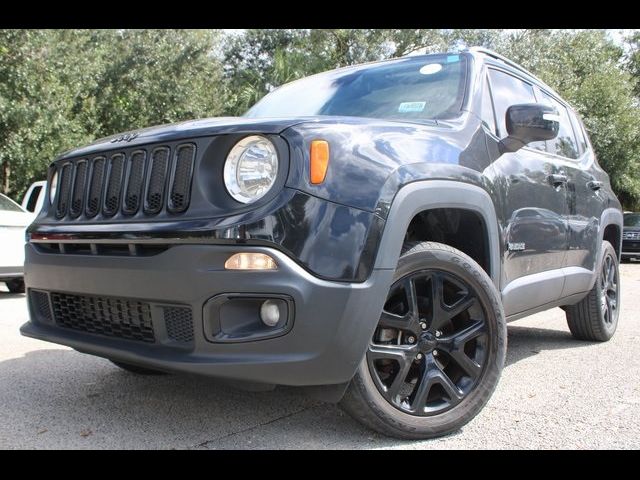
(430, 69)
(453, 58)
(407, 107)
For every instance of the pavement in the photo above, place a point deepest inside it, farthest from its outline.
(555, 392)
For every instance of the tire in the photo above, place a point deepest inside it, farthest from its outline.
(430, 366)
(136, 369)
(595, 317)
(16, 285)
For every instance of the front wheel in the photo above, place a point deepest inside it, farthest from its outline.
(438, 350)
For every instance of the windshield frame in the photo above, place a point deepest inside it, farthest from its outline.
(467, 73)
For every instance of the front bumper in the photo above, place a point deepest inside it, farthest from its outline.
(631, 248)
(332, 321)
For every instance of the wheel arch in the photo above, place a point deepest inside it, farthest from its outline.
(611, 225)
(416, 197)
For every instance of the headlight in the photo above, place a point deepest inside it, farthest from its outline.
(53, 187)
(251, 169)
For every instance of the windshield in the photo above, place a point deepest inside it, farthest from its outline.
(412, 88)
(7, 205)
(632, 220)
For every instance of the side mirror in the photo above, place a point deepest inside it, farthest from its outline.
(529, 122)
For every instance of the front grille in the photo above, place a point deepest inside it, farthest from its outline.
(150, 179)
(40, 305)
(113, 317)
(134, 183)
(155, 190)
(95, 192)
(77, 197)
(181, 185)
(631, 235)
(114, 185)
(179, 323)
(64, 189)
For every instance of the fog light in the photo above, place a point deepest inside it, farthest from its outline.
(270, 313)
(250, 261)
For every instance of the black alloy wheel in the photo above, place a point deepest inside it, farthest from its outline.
(430, 346)
(437, 349)
(609, 299)
(595, 317)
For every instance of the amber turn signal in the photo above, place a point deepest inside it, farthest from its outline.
(319, 160)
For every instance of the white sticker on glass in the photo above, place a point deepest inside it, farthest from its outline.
(430, 69)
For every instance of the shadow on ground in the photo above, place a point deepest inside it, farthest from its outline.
(524, 342)
(60, 398)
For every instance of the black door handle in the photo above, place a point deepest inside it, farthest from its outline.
(557, 179)
(595, 185)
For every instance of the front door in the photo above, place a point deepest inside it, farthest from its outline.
(532, 188)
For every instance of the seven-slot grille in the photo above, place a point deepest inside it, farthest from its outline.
(631, 235)
(146, 179)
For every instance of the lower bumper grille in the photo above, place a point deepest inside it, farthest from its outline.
(113, 317)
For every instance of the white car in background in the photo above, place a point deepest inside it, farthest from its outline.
(13, 222)
(34, 198)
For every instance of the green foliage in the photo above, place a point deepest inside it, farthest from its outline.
(63, 88)
(586, 67)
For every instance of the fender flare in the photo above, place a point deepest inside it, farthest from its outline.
(422, 195)
(609, 216)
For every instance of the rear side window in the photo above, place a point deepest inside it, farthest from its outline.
(33, 199)
(565, 143)
(577, 129)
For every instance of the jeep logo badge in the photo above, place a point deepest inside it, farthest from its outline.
(125, 138)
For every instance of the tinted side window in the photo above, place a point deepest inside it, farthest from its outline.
(487, 107)
(508, 90)
(33, 199)
(565, 143)
(577, 129)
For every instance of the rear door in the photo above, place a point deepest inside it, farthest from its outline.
(585, 201)
(532, 188)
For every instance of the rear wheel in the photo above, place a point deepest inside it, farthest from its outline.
(136, 369)
(595, 317)
(16, 285)
(437, 353)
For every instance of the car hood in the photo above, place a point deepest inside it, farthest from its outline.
(188, 129)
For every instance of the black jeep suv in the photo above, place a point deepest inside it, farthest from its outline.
(365, 233)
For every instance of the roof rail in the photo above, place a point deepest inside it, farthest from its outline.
(511, 63)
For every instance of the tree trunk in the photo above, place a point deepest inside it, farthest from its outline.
(6, 173)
